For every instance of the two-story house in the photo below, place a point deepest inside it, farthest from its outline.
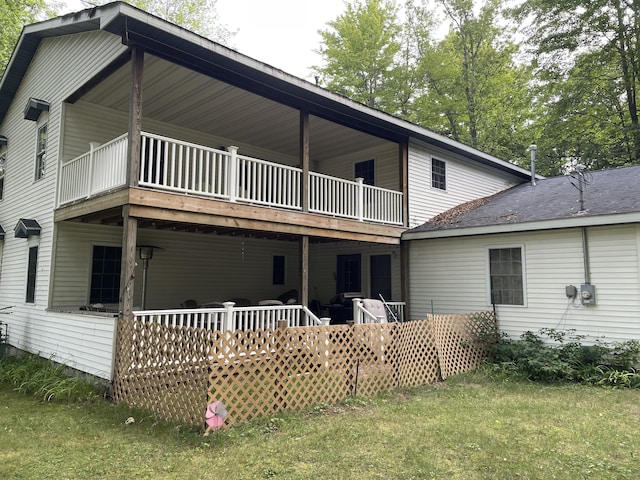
(147, 168)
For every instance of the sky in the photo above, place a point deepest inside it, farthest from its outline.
(281, 33)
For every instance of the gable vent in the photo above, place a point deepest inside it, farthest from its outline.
(26, 227)
(34, 108)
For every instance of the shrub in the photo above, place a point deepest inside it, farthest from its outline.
(559, 356)
(32, 375)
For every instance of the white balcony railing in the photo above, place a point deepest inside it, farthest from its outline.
(229, 317)
(192, 169)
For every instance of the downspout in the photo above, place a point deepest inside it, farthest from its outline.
(585, 256)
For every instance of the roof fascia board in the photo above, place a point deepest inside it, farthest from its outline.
(577, 221)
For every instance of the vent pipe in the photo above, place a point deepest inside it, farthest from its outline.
(532, 148)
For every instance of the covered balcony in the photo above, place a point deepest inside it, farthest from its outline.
(186, 168)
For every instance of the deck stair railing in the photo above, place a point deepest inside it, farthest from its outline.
(394, 311)
(192, 169)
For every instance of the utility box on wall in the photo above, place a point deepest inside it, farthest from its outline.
(588, 294)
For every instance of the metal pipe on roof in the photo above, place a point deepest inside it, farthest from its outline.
(532, 148)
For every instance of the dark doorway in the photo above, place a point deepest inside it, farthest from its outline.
(381, 276)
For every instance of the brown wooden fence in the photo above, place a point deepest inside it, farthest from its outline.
(177, 371)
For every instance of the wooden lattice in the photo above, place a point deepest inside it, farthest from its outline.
(461, 340)
(163, 369)
(177, 371)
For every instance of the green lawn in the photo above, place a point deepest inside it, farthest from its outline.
(466, 428)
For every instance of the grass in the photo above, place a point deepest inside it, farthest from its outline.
(466, 428)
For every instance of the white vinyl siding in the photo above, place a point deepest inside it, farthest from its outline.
(465, 180)
(59, 67)
(449, 275)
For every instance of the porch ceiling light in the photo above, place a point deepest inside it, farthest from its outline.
(34, 108)
(26, 227)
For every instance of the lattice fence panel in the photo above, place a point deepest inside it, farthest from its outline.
(417, 354)
(177, 371)
(163, 369)
(461, 340)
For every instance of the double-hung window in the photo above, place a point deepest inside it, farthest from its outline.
(438, 174)
(41, 151)
(3, 161)
(506, 276)
(32, 267)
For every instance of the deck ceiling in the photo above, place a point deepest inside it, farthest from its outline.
(179, 96)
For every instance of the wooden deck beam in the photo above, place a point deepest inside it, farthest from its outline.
(183, 209)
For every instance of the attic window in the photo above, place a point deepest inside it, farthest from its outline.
(34, 108)
(27, 227)
(1, 233)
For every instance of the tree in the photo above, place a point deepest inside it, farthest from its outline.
(359, 51)
(14, 14)
(568, 36)
(474, 91)
(198, 16)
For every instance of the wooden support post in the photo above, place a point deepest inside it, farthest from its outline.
(304, 158)
(304, 270)
(404, 277)
(135, 116)
(128, 262)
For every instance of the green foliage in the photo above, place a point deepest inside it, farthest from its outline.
(559, 356)
(588, 58)
(359, 51)
(44, 379)
(14, 14)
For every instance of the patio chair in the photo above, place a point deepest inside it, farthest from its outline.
(190, 303)
(376, 308)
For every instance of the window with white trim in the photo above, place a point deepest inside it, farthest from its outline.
(32, 266)
(506, 276)
(438, 174)
(3, 161)
(41, 151)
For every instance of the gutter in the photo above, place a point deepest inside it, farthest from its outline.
(538, 225)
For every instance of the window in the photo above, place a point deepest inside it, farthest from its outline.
(506, 276)
(278, 269)
(366, 170)
(105, 274)
(438, 174)
(31, 275)
(41, 151)
(3, 161)
(348, 277)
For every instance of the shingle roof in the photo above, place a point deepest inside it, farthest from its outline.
(607, 192)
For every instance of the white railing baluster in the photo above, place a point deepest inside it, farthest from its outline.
(174, 165)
